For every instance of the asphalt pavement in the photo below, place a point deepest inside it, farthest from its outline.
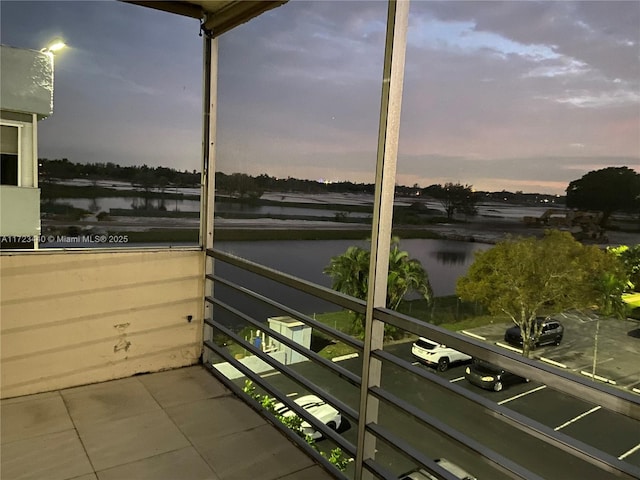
(612, 433)
(617, 352)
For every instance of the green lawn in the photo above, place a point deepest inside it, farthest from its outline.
(447, 312)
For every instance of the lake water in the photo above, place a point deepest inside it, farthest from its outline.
(106, 203)
(444, 260)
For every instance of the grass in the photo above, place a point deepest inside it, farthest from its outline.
(174, 235)
(447, 312)
(329, 348)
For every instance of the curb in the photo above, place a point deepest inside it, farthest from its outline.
(598, 377)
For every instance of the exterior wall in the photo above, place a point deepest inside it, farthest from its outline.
(19, 211)
(70, 318)
(27, 81)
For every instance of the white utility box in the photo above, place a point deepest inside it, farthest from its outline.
(294, 329)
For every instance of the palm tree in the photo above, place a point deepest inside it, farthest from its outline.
(405, 275)
(350, 274)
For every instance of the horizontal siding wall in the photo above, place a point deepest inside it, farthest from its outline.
(71, 318)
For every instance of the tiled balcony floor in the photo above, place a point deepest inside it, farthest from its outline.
(179, 424)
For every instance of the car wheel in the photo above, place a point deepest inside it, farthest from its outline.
(332, 425)
(558, 340)
(443, 364)
(497, 386)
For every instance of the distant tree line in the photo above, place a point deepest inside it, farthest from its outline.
(64, 169)
(246, 186)
(455, 198)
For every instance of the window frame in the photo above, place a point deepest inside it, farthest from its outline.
(19, 127)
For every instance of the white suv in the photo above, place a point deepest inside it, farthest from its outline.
(437, 355)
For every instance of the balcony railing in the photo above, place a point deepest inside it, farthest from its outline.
(395, 411)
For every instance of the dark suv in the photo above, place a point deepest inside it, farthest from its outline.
(551, 332)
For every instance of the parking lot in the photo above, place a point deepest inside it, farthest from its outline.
(615, 434)
(618, 350)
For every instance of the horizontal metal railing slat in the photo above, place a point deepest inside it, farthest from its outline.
(495, 459)
(608, 397)
(341, 406)
(604, 395)
(378, 470)
(318, 291)
(326, 431)
(301, 442)
(527, 425)
(343, 337)
(343, 373)
(404, 448)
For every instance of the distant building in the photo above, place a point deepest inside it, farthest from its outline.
(26, 96)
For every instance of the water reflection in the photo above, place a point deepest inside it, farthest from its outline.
(106, 203)
(450, 257)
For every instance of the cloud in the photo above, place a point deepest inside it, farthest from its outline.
(495, 93)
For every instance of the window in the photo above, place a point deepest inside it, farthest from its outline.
(9, 155)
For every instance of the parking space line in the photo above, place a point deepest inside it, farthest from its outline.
(553, 362)
(575, 419)
(472, 335)
(344, 357)
(629, 452)
(508, 347)
(415, 363)
(598, 377)
(292, 394)
(456, 379)
(522, 394)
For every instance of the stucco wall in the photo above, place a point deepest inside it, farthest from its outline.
(72, 318)
(27, 81)
(19, 211)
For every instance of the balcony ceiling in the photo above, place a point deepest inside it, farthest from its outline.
(219, 16)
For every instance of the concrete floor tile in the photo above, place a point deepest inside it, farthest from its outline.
(36, 416)
(183, 385)
(184, 464)
(312, 473)
(129, 439)
(262, 453)
(207, 420)
(28, 398)
(55, 456)
(105, 402)
(89, 476)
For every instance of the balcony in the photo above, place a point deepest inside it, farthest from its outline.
(180, 423)
(80, 329)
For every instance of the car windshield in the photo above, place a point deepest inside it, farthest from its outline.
(426, 344)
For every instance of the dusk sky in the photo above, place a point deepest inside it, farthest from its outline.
(500, 95)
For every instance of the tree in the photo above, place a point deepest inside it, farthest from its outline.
(608, 190)
(350, 275)
(521, 277)
(630, 258)
(455, 198)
